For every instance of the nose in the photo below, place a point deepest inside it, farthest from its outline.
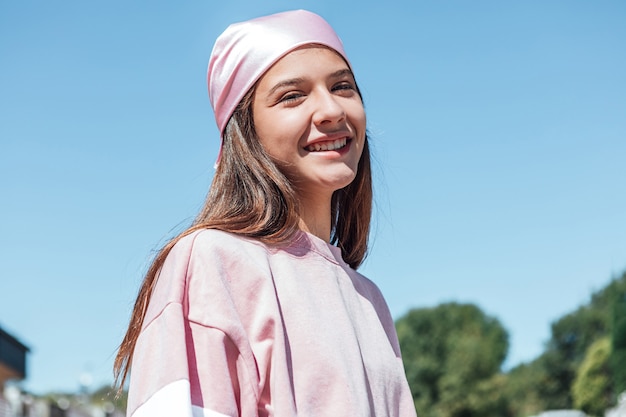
(328, 109)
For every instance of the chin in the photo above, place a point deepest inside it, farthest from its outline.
(342, 181)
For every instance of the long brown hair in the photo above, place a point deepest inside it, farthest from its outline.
(250, 196)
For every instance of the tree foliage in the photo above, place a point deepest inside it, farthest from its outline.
(108, 394)
(618, 342)
(591, 390)
(522, 389)
(452, 355)
(571, 336)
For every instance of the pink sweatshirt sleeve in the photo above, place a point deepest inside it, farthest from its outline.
(181, 367)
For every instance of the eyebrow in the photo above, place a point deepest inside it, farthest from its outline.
(342, 72)
(285, 83)
(298, 80)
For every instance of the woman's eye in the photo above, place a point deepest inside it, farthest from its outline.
(290, 97)
(344, 86)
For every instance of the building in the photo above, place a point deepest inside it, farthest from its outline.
(12, 366)
(12, 358)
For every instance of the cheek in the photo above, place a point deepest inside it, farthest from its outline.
(260, 128)
(359, 119)
(281, 140)
(276, 145)
(265, 133)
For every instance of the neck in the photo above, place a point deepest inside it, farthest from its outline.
(315, 216)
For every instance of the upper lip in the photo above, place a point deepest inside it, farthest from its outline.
(330, 137)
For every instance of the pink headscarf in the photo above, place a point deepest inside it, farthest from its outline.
(246, 50)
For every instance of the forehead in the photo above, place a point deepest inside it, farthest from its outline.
(304, 62)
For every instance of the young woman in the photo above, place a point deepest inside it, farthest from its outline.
(256, 309)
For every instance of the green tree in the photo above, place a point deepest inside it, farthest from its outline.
(522, 389)
(452, 355)
(591, 390)
(107, 395)
(571, 337)
(618, 341)
(547, 381)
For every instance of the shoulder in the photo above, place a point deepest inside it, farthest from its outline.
(233, 272)
(370, 290)
(210, 255)
(208, 252)
(216, 244)
(211, 238)
(366, 285)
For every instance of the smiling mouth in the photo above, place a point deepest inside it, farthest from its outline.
(331, 145)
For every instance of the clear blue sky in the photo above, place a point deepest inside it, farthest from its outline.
(499, 130)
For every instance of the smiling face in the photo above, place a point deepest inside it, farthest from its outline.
(310, 119)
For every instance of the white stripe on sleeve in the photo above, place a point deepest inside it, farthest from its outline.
(174, 399)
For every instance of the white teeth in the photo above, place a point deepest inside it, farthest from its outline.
(327, 146)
